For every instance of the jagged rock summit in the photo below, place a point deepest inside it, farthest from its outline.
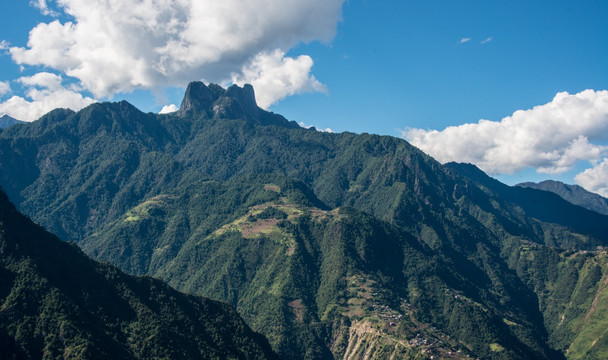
(214, 102)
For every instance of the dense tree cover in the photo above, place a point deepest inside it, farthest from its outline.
(307, 258)
(292, 225)
(57, 303)
(573, 296)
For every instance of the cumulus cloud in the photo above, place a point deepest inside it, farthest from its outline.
(5, 88)
(169, 109)
(551, 138)
(119, 46)
(595, 179)
(275, 77)
(45, 92)
(43, 7)
(464, 40)
(327, 130)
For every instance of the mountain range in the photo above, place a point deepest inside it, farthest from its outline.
(331, 245)
(573, 193)
(6, 121)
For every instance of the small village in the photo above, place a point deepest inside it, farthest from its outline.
(397, 322)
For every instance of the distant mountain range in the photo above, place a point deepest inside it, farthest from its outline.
(573, 193)
(331, 245)
(6, 121)
(542, 205)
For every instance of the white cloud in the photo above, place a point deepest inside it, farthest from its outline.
(119, 46)
(595, 179)
(46, 80)
(551, 138)
(275, 77)
(5, 88)
(302, 124)
(168, 109)
(487, 40)
(43, 7)
(464, 40)
(46, 92)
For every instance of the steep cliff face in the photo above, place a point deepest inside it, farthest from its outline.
(197, 99)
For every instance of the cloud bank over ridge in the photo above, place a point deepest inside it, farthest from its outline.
(45, 92)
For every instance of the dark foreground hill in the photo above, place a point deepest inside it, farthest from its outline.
(332, 245)
(57, 303)
(573, 193)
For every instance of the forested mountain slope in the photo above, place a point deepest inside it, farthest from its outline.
(303, 273)
(55, 302)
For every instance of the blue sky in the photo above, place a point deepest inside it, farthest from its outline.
(400, 68)
(403, 60)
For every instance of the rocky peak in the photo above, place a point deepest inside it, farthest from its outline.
(217, 102)
(213, 101)
(244, 96)
(198, 98)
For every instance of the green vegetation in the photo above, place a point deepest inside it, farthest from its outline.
(291, 269)
(496, 347)
(56, 303)
(572, 288)
(298, 230)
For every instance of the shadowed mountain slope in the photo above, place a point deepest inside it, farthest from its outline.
(58, 303)
(542, 205)
(573, 193)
